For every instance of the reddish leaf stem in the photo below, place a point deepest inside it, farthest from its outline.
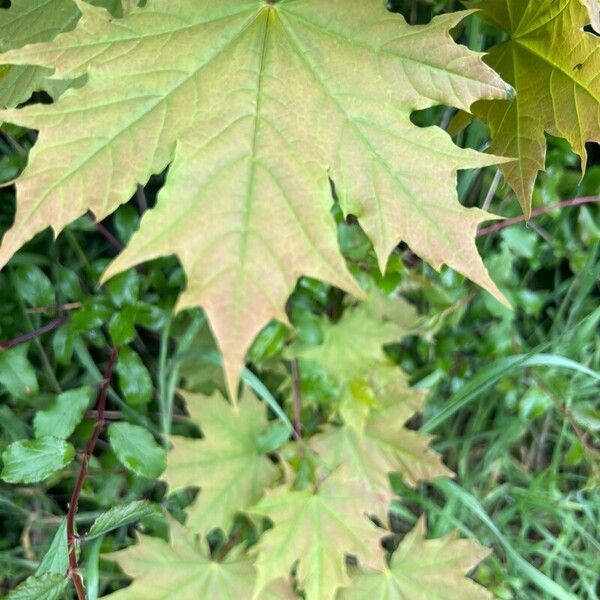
(536, 213)
(297, 399)
(73, 571)
(27, 337)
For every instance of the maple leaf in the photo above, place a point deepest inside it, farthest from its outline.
(27, 22)
(384, 448)
(423, 569)
(255, 104)
(317, 529)
(352, 355)
(183, 569)
(553, 65)
(228, 463)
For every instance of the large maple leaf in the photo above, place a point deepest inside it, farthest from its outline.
(228, 463)
(29, 21)
(553, 65)
(422, 569)
(255, 104)
(317, 528)
(183, 569)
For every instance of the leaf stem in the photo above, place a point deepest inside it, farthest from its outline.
(297, 398)
(73, 571)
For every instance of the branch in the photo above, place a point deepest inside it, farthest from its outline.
(536, 213)
(73, 571)
(32, 335)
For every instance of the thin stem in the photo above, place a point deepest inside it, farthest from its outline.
(73, 571)
(166, 400)
(140, 197)
(297, 398)
(36, 333)
(536, 213)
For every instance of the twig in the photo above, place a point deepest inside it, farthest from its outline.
(32, 335)
(109, 237)
(89, 450)
(536, 213)
(59, 308)
(297, 399)
(140, 197)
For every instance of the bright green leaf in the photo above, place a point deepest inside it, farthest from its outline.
(136, 449)
(31, 461)
(134, 379)
(119, 516)
(65, 413)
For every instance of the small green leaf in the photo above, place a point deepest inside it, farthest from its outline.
(134, 380)
(16, 373)
(34, 286)
(124, 288)
(31, 461)
(122, 515)
(49, 587)
(122, 326)
(136, 449)
(63, 343)
(64, 414)
(56, 559)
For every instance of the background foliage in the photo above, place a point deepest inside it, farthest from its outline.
(521, 433)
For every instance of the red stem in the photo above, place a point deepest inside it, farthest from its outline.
(536, 213)
(73, 571)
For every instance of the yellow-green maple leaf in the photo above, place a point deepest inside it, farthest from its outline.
(352, 354)
(27, 22)
(553, 66)
(183, 570)
(383, 448)
(227, 464)
(316, 529)
(255, 104)
(422, 569)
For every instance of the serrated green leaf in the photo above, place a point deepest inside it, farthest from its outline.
(422, 569)
(229, 463)
(553, 66)
(183, 569)
(63, 416)
(137, 450)
(119, 516)
(49, 587)
(30, 461)
(56, 559)
(317, 529)
(314, 91)
(27, 22)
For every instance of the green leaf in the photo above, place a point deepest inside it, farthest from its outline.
(16, 373)
(423, 569)
(49, 587)
(183, 569)
(56, 559)
(553, 65)
(124, 289)
(316, 91)
(34, 286)
(317, 529)
(119, 516)
(29, 21)
(136, 449)
(134, 379)
(229, 464)
(122, 326)
(31, 461)
(64, 414)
